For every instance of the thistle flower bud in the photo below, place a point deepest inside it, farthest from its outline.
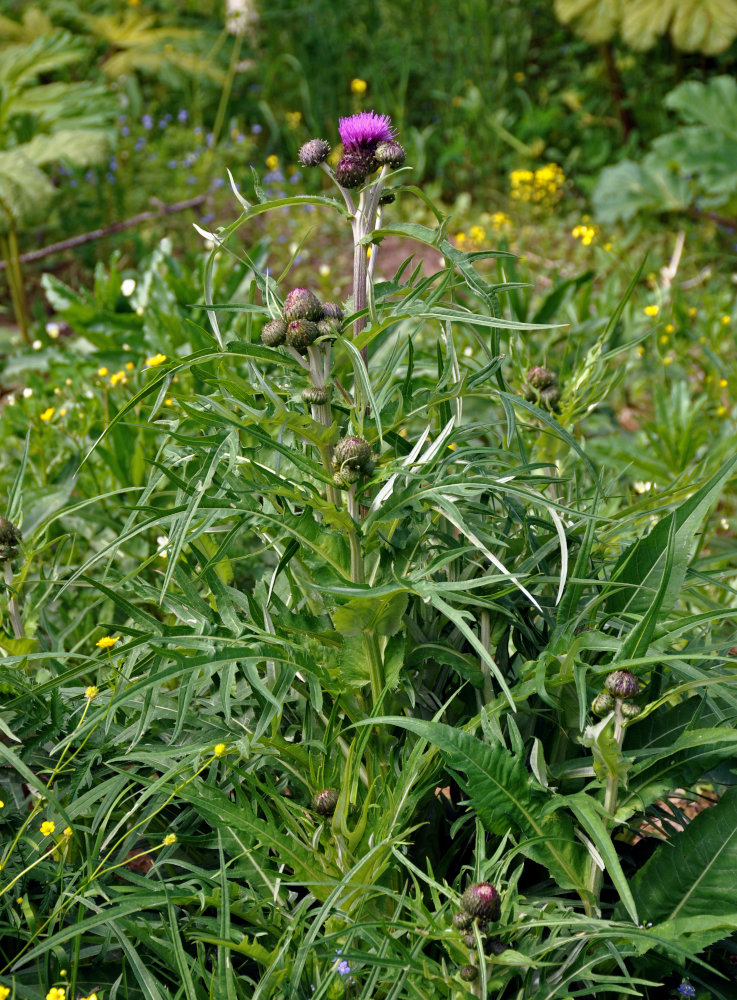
(602, 704)
(317, 394)
(351, 452)
(328, 328)
(630, 710)
(325, 801)
(390, 153)
(387, 198)
(622, 684)
(469, 939)
(300, 303)
(331, 310)
(339, 481)
(274, 332)
(351, 171)
(481, 900)
(462, 920)
(495, 946)
(313, 153)
(301, 333)
(549, 398)
(468, 973)
(541, 378)
(10, 537)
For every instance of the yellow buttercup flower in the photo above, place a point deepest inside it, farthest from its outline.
(107, 641)
(56, 993)
(220, 749)
(67, 832)
(669, 328)
(91, 691)
(155, 360)
(47, 414)
(102, 372)
(692, 311)
(358, 87)
(117, 377)
(129, 366)
(652, 310)
(47, 827)
(272, 162)
(4, 992)
(170, 838)
(725, 320)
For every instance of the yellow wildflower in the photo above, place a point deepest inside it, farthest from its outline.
(358, 87)
(607, 246)
(668, 360)
(692, 311)
(477, 234)
(102, 372)
(92, 691)
(2, 806)
(170, 838)
(702, 340)
(129, 366)
(461, 238)
(664, 338)
(723, 383)
(725, 320)
(107, 641)
(669, 328)
(519, 77)
(47, 414)
(272, 162)
(56, 993)
(4, 992)
(156, 360)
(500, 221)
(67, 832)
(117, 377)
(722, 411)
(293, 119)
(47, 827)
(220, 749)
(63, 411)
(652, 310)
(92, 996)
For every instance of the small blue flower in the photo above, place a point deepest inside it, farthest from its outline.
(183, 116)
(91, 177)
(217, 182)
(140, 143)
(207, 218)
(294, 178)
(198, 130)
(210, 138)
(113, 165)
(173, 164)
(163, 123)
(147, 122)
(344, 968)
(686, 990)
(125, 131)
(110, 178)
(191, 180)
(256, 129)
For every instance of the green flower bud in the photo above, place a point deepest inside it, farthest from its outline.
(352, 452)
(331, 310)
(541, 378)
(301, 333)
(602, 704)
(10, 537)
(339, 481)
(549, 399)
(313, 153)
(622, 684)
(462, 920)
(274, 333)
(325, 801)
(469, 940)
(329, 328)
(482, 900)
(300, 303)
(318, 394)
(390, 154)
(468, 973)
(630, 710)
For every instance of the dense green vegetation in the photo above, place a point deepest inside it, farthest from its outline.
(368, 619)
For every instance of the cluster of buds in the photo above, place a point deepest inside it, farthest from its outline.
(351, 460)
(621, 687)
(304, 320)
(542, 388)
(480, 904)
(10, 537)
(369, 143)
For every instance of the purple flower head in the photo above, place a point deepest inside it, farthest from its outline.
(362, 133)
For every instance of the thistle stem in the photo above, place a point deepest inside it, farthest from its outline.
(611, 793)
(15, 618)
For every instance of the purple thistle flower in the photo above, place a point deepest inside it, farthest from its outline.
(362, 133)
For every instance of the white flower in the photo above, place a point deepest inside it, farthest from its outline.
(641, 487)
(53, 330)
(27, 392)
(128, 287)
(240, 15)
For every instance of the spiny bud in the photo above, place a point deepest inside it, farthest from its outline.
(317, 394)
(630, 710)
(469, 939)
(549, 398)
(462, 920)
(313, 153)
(390, 153)
(482, 900)
(300, 303)
(351, 451)
(10, 537)
(339, 481)
(622, 684)
(468, 973)
(328, 328)
(602, 704)
(331, 310)
(301, 333)
(325, 801)
(541, 378)
(351, 171)
(274, 332)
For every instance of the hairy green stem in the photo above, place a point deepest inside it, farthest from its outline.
(15, 618)
(611, 792)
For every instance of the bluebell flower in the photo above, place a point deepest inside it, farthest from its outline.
(73, 182)
(217, 182)
(240, 137)
(91, 177)
(256, 129)
(198, 130)
(147, 122)
(210, 138)
(294, 178)
(173, 164)
(183, 116)
(191, 180)
(140, 143)
(122, 118)
(113, 165)
(163, 123)
(125, 131)
(686, 990)
(110, 178)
